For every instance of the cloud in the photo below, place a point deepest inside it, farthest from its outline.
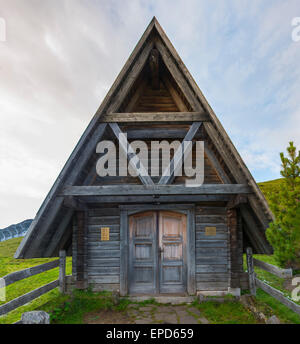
(62, 56)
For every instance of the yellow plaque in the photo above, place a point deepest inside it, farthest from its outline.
(210, 230)
(104, 233)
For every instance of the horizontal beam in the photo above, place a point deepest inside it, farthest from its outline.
(131, 190)
(155, 117)
(26, 298)
(158, 133)
(22, 274)
(150, 199)
(275, 270)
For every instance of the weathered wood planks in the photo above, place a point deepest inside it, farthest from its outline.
(62, 271)
(81, 249)
(282, 273)
(278, 295)
(148, 117)
(20, 275)
(103, 266)
(212, 264)
(251, 273)
(124, 190)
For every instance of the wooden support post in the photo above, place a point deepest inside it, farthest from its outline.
(250, 267)
(154, 68)
(232, 223)
(62, 271)
(81, 280)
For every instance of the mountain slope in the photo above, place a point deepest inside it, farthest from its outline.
(15, 231)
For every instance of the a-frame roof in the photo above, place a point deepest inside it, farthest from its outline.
(47, 232)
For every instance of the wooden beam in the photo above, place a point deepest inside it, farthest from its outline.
(26, 298)
(251, 273)
(154, 199)
(35, 270)
(154, 68)
(127, 190)
(135, 98)
(179, 156)
(232, 224)
(277, 295)
(62, 271)
(158, 133)
(174, 94)
(148, 117)
(82, 254)
(257, 238)
(177, 75)
(56, 238)
(125, 146)
(216, 164)
(131, 78)
(275, 270)
(236, 201)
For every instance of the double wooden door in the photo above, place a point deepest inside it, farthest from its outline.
(157, 253)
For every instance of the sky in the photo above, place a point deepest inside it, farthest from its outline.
(60, 57)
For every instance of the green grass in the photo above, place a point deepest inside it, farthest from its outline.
(228, 312)
(270, 187)
(8, 264)
(72, 310)
(270, 306)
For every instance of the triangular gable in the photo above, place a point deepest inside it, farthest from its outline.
(46, 235)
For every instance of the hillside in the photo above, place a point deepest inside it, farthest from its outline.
(8, 264)
(15, 230)
(271, 186)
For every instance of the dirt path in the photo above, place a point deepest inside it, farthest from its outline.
(149, 314)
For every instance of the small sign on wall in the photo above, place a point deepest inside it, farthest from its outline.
(210, 230)
(104, 233)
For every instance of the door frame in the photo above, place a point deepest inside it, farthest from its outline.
(188, 210)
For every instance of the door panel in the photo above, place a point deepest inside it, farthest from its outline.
(143, 253)
(172, 257)
(157, 252)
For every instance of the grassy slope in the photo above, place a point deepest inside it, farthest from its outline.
(9, 264)
(270, 186)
